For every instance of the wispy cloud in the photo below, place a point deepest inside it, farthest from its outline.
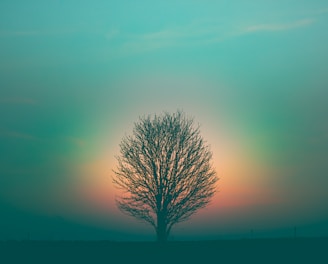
(320, 11)
(18, 101)
(111, 34)
(76, 141)
(324, 11)
(194, 35)
(278, 27)
(18, 135)
(19, 33)
(171, 37)
(45, 33)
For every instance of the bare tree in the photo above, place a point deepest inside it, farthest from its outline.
(164, 171)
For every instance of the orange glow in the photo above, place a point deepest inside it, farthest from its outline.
(97, 188)
(243, 180)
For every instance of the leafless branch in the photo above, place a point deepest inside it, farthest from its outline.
(165, 171)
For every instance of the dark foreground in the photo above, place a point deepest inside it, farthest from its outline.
(300, 250)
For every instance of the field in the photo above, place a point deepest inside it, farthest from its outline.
(299, 250)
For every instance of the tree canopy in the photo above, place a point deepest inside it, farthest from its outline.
(165, 172)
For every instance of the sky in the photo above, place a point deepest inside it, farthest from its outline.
(76, 75)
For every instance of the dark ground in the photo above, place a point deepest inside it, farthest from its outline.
(289, 250)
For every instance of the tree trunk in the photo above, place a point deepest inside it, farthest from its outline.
(161, 228)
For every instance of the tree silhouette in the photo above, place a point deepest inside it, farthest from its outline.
(164, 171)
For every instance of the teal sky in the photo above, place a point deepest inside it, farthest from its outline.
(75, 75)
